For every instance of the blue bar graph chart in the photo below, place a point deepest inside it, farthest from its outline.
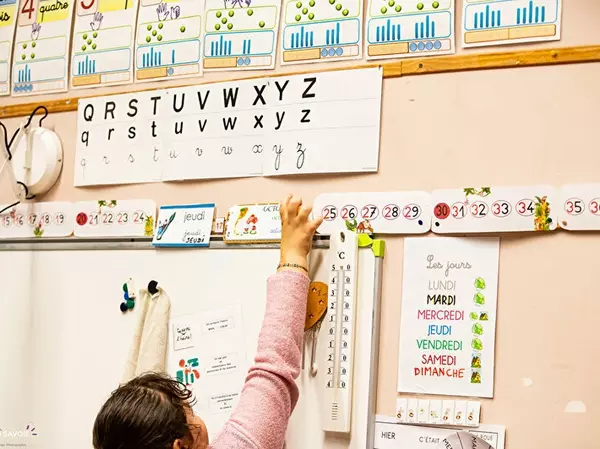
(222, 47)
(86, 67)
(153, 58)
(388, 32)
(487, 18)
(425, 29)
(332, 35)
(305, 39)
(531, 15)
(24, 74)
(247, 46)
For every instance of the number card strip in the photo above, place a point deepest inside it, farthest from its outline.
(40, 220)
(115, 218)
(579, 207)
(375, 212)
(494, 209)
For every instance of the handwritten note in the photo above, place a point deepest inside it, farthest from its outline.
(448, 322)
(183, 337)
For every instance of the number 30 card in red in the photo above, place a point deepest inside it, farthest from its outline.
(494, 209)
(579, 208)
(376, 212)
(115, 218)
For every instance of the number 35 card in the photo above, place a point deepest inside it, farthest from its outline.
(375, 212)
(494, 209)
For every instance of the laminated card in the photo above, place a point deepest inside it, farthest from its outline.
(41, 51)
(168, 39)
(448, 321)
(8, 20)
(103, 43)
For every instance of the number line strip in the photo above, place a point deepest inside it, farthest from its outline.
(393, 69)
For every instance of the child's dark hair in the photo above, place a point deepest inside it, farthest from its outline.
(147, 412)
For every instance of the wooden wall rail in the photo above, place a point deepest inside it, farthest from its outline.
(406, 67)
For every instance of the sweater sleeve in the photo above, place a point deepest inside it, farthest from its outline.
(270, 393)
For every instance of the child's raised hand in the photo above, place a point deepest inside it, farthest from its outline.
(297, 230)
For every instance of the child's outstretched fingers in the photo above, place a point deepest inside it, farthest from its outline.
(283, 207)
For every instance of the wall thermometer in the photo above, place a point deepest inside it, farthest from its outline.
(341, 318)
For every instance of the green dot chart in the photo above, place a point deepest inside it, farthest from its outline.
(401, 29)
(8, 12)
(103, 43)
(497, 22)
(321, 31)
(448, 318)
(241, 34)
(168, 40)
(41, 47)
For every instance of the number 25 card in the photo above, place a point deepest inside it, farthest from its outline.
(494, 209)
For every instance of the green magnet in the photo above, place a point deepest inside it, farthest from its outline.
(130, 304)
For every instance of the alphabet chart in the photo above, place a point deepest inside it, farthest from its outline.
(321, 31)
(103, 41)
(241, 34)
(114, 218)
(399, 29)
(39, 220)
(8, 20)
(41, 50)
(287, 125)
(375, 212)
(494, 209)
(448, 321)
(496, 22)
(579, 207)
(168, 39)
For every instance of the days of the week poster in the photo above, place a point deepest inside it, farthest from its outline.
(448, 321)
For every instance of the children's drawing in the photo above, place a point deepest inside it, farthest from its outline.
(400, 29)
(103, 41)
(42, 41)
(168, 40)
(364, 227)
(241, 34)
(164, 225)
(188, 373)
(496, 22)
(321, 30)
(241, 215)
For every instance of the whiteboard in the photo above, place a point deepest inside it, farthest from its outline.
(79, 339)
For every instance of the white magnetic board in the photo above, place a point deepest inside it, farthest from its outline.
(66, 341)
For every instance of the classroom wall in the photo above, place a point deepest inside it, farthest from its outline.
(505, 127)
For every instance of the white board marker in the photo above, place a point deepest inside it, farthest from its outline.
(343, 256)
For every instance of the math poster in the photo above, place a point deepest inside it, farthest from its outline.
(41, 50)
(448, 321)
(241, 34)
(8, 20)
(103, 43)
(497, 22)
(168, 39)
(321, 31)
(397, 29)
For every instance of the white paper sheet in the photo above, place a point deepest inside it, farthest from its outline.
(241, 34)
(168, 39)
(497, 22)
(103, 43)
(8, 16)
(321, 31)
(448, 322)
(397, 29)
(206, 355)
(41, 50)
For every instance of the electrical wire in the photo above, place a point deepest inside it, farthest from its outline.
(8, 207)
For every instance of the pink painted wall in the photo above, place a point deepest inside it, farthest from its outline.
(505, 127)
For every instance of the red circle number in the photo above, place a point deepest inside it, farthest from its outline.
(441, 211)
(81, 218)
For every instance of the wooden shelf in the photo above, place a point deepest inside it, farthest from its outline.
(393, 69)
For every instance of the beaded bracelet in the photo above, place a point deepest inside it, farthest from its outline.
(291, 265)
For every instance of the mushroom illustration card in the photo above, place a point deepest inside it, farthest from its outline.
(253, 223)
(448, 321)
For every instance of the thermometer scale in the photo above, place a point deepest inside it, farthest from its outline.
(341, 318)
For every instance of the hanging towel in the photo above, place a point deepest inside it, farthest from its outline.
(149, 345)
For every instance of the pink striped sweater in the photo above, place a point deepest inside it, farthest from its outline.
(270, 393)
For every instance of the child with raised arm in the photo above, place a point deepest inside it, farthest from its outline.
(154, 411)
